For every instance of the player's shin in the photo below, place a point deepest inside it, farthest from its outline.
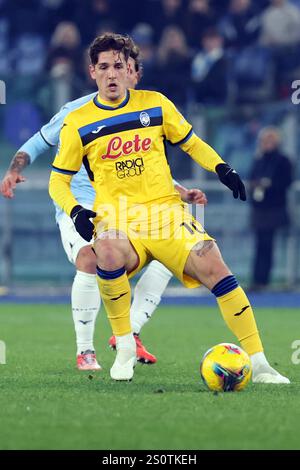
(147, 294)
(238, 314)
(85, 306)
(115, 293)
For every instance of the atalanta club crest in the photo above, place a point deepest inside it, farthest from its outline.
(145, 119)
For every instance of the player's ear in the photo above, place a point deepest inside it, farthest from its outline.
(92, 71)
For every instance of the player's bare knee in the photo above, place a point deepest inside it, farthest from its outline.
(216, 272)
(110, 254)
(86, 260)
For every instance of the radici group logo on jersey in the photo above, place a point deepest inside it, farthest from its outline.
(2, 92)
(130, 168)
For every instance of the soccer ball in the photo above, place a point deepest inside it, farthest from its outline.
(226, 367)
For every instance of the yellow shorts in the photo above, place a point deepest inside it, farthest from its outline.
(169, 239)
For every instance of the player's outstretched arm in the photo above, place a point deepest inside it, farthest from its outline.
(39, 143)
(179, 132)
(60, 192)
(208, 158)
(13, 176)
(231, 179)
(30, 150)
(66, 164)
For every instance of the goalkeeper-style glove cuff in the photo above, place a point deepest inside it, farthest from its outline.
(81, 219)
(231, 179)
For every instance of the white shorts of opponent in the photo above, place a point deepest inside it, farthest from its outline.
(71, 240)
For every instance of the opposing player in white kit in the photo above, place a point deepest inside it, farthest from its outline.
(85, 297)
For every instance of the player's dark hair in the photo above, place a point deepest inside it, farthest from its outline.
(135, 55)
(108, 42)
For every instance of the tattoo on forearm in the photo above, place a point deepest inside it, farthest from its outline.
(19, 162)
(205, 248)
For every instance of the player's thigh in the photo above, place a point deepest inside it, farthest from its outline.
(205, 264)
(174, 250)
(72, 242)
(132, 247)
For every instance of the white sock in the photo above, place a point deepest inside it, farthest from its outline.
(258, 360)
(147, 294)
(260, 364)
(261, 370)
(86, 303)
(126, 342)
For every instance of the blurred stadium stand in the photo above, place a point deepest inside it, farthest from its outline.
(43, 67)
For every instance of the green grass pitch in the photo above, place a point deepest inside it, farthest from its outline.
(47, 404)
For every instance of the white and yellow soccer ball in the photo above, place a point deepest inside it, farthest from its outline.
(226, 368)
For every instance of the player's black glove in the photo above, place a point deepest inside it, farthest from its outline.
(231, 179)
(81, 219)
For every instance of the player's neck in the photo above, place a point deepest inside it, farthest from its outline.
(112, 104)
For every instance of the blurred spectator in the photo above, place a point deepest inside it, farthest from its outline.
(209, 70)
(4, 39)
(65, 51)
(142, 34)
(53, 12)
(281, 32)
(163, 13)
(24, 17)
(251, 75)
(199, 17)
(241, 26)
(280, 24)
(93, 15)
(29, 54)
(136, 13)
(270, 178)
(220, 7)
(173, 64)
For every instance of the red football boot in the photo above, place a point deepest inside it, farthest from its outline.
(112, 342)
(87, 361)
(142, 354)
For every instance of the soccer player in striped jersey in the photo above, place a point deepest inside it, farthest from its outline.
(138, 214)
(85, 296)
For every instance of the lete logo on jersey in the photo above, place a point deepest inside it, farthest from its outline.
(116, 147)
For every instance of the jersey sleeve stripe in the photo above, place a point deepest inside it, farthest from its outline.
(48, 143)
(64, 172)
(185, 139)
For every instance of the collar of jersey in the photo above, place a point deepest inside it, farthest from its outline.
(101, 104)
